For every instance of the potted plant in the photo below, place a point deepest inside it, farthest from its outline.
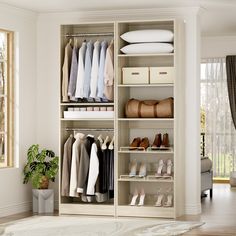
(42, 167)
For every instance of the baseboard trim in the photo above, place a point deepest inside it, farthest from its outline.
(15, 209)
(193, 209)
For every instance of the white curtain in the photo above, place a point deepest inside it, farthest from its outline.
(220, 134)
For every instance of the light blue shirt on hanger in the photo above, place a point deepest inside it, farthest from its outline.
(87, 69)
(100, 83)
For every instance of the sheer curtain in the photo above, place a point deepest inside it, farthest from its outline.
(220, 134)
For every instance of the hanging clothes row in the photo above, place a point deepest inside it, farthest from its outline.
(88, 168)
(88, 71)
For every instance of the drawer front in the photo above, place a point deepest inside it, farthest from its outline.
(161, 75)
(135, 75)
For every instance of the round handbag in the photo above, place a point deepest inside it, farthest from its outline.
(150, 108)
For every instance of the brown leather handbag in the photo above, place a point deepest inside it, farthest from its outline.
(150, 108)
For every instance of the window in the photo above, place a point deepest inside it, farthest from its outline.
(6, 99)
(217, 129)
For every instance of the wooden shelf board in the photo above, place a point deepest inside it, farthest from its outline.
(148, 151)
(146, 55)
(146, 119)
(87, 104)
(146, 211)
(145, 85)
(86, 119)
(86, 209)
(147, 180)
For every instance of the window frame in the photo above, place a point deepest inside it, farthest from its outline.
(8, 96)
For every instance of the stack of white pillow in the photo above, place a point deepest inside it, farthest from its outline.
(148, 41)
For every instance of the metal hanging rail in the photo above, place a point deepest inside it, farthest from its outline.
(90, 34)
(89, 129)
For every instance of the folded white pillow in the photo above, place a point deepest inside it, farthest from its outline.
(148, 36)
(148, 48)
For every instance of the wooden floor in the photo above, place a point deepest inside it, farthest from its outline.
(219, 214)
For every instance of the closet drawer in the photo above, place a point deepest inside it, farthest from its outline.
(159, 75)
(135, 75)
(89, 114)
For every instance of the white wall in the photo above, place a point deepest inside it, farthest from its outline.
(14, 196)
(48, 76)
(218, 46)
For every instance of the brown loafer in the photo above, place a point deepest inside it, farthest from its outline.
(165, 141)
(157, 141)
(144, 144)
(135, 143)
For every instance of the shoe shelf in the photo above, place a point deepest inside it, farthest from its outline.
(149, 150)
(146, 179)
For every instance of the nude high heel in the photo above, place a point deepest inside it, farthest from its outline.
(133, 169)
(134, 198)
(141, 198)
(142, 170)
(169, 202)
(160, 168)
(169, 168)
(160, 198)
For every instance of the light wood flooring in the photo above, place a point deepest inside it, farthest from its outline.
(219, 214)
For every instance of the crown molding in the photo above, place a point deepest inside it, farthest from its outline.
(126, 13)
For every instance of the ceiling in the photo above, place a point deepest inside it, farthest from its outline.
(218, 18)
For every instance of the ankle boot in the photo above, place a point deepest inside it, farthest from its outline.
(165, 141)
(144, 144)
(135, 144)
(157, 141)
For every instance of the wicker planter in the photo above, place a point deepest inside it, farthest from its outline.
(44, 182)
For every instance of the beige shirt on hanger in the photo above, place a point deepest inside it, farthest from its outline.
(109, 72)
(66, 71)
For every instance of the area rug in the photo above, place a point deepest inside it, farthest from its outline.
(94, 226)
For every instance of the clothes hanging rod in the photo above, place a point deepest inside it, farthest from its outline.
(90, 34)
(89, 129)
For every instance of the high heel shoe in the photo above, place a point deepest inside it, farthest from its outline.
(141, 198)
(169, 202)
(133, 169)
(160, 168)
(142, 170)
(134, 198)
(159, 201)
(169, 168)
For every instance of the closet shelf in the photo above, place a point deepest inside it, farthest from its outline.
(87, 104)
(146, 210)
(146, 119)
(146, 55)
(87, 119)
(149, 151)
(158, 180)
(145, 85)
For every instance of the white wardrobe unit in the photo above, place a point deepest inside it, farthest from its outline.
(126, 129)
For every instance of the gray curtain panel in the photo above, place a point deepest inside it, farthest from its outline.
(231, 83)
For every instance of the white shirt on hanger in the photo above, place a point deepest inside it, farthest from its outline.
(95, 70)
(81, 71)
(93, 170)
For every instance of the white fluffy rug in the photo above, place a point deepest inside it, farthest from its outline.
(94, 226)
